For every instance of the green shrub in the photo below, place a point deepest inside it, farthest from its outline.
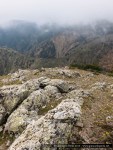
(87, 67)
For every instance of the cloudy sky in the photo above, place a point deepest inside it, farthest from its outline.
(57, 11)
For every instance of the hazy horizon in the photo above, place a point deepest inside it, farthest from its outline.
(63, 12)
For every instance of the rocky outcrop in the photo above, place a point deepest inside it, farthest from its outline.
(53, 128)
(63, 86)
(68, 73)
(56, 126)
(13, 95)
(53, 108)
(99, 86)
(27, 111)
(52, 91)
(64, 72)
(43, 91)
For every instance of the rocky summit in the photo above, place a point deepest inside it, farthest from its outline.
(51, 106)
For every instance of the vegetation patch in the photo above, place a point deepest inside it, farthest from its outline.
(89, 67)
(88, 102)
(52, 104)
(5, 138)
(14, 82)
(100, 121)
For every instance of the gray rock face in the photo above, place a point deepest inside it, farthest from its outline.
(62, 85)
(89, 75)
(53, 128)
(64, 72)
(8, 99)
(30, 85)
(27, 111)
(68, 73)
(20, 74)
(53, 91)
(80, 94)
(13, 95)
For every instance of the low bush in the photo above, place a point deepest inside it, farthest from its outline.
(87, 67)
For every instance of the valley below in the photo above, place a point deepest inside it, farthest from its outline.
(25, 45)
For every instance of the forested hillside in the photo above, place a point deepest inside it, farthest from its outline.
(53, 45)
(11, 60)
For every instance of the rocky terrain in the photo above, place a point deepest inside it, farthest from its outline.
(55, 106)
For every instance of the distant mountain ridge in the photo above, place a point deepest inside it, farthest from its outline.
(52, 45)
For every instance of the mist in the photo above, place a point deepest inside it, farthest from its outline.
(66, 12)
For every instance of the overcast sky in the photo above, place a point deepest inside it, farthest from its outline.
(56, 11)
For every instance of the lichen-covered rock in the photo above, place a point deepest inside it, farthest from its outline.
(68, 73)
(99, 86)
(27, 111)
(30, 85)
(44, 81)
(62, 85)
(13, 95)
(52, 91)
(89, 75)
(7, 89)
(8, 99)
(53, 128)
(20, 74)
(67, 109)
(80, 94)
(29, 108)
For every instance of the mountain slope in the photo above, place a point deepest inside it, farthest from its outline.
(92, 52)
(11, 60)
(52, 45)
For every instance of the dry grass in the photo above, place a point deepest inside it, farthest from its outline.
(4, 139)
(95, 109)
(51, 105)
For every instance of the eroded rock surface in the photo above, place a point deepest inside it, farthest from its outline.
(43, 90)
(27, 111)
(53, 128)
(54, 106)
(13, 95)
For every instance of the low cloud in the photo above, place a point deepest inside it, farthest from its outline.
(56, 11)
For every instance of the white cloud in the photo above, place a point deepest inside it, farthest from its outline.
(60, 11)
